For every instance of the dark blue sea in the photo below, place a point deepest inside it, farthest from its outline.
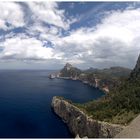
(25, 103)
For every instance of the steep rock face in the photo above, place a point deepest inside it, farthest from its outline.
(80, 124)
(135, 74)
(70, 71)
(68, 66)
(107, 78)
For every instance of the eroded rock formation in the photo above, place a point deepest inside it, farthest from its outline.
(81, 124)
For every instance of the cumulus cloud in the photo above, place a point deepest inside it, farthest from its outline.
(26, 49)
(48, 12)
(11, 15)
(113, 41)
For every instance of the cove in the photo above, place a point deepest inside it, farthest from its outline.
(25, 103)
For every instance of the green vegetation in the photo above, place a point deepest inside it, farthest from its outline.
(121, 105)
(110, 77)
(112, 72)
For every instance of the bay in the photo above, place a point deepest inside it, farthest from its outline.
(25, 103)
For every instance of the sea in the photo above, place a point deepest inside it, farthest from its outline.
(25, 103)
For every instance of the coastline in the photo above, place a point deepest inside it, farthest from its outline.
(82, 125)
(95, 85)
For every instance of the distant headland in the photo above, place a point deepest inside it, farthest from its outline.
(104, 79)
(98, 118)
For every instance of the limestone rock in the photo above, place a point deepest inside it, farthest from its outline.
(81, 124)
(135, 74)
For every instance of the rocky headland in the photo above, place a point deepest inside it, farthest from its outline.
(80, 124)
(104, 79)
(107, 116)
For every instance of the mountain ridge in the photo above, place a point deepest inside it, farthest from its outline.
(121, 105)
(105, 79)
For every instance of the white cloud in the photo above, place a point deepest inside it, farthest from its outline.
(115, 41)
(25, 49)
(12, 14)
(49, 13)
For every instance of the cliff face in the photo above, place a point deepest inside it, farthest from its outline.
(135, 74)
(105, 79)
(70, 71)
(80, 124)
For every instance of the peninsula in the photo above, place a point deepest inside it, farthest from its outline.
(106, 116)
(104, 79)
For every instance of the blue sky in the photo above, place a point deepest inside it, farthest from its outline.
(46, 35)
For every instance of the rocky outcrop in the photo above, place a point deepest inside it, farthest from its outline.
(105, 79)
(70, 71)
(80, 123)
(135, 74)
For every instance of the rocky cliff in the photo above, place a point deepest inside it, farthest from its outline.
(135, 74)
(70, 71)
(105, 79)
(81, 124)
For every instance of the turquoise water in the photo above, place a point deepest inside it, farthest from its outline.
(25, 103)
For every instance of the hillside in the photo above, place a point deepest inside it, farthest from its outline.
(70, 71)
(135, 74)
(112, 71)
(105, 79)
(121, 105)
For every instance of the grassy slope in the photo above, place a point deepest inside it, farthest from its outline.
(120, 106)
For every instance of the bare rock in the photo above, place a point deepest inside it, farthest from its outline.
(81, 124)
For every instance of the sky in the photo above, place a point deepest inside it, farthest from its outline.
(46, 35)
